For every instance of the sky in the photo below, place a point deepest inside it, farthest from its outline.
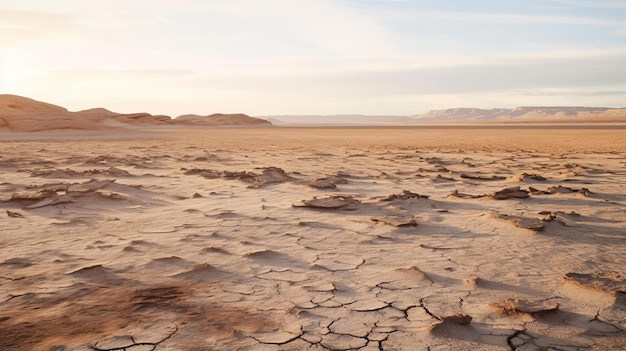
(288, 57)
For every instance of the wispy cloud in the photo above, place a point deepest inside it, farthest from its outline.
(115, 74)
(17, 26)
(597, 4)
(485, 17)
(580, 91)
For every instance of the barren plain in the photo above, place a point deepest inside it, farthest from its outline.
(407, 238)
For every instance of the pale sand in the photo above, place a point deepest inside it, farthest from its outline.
(197, 244)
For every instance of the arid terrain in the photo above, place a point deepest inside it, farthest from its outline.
(397, 238)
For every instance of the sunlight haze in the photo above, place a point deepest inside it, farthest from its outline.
(313, 57)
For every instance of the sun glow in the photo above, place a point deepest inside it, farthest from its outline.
(14, 69)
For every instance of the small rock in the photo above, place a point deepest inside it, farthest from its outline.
(405, 195)
(530, 223)
(206, 173)
(395, 221)
(14, 214)
(336, 202)
(471, 280)
(460, 319)
(525, 176)
(328, 182)
(523, 222)
(526, 306)
(559, 189)
(441, 179)
(607, 281)
(483, 178)
(459, 195)
(509, 193)
(276, 337)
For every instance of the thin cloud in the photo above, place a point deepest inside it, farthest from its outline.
(17, 26)
(116, 74)
(520, 18)
(574, 92)
(488, 76)
(594, 4)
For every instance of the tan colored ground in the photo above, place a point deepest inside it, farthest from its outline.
(206, 239)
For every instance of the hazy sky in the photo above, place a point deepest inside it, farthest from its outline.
(265, 57)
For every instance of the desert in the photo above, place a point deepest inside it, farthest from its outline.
(372, 175)
(497, 237)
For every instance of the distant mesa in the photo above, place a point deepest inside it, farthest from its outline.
(527, 114)
(22, 114)
(524, 114)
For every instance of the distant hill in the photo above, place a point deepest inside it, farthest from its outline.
(523, 114)
(218, 119)
(337, 119)
(22, 114)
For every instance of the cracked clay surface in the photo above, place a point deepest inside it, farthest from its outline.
(407, 240)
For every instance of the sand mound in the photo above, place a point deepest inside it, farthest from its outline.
(402, 278)
(96, 274)
(202, 272)
(267, 258)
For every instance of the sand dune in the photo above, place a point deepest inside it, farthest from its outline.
(21, 114)
(314, 239)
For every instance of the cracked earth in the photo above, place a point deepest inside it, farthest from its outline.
(315, 239)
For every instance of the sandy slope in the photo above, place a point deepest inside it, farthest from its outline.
(293, 239)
